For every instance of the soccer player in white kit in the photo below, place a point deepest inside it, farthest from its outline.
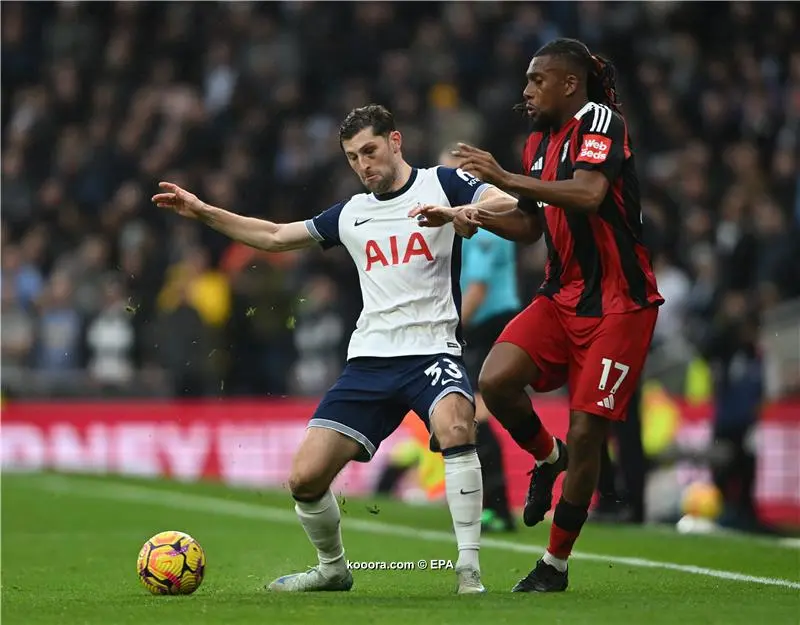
(405, 353)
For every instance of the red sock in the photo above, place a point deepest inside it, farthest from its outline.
(541, 445)
(568, 520)
(561, 541)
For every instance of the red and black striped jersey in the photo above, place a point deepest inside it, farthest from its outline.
(597, 263)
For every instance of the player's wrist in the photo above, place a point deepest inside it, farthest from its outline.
(450, 213)
(205, 212)
(510, 182)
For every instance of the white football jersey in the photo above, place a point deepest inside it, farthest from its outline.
(409, 275)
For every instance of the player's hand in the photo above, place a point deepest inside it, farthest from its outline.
(179, 200)
(431, 216)
(481, 164)
(466, 222)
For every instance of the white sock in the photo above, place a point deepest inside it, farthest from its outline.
(553, 454)
(557, 563)
(464, 489)
(322, 522)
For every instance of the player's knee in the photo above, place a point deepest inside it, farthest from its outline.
(495, 385)
(456, 433)
(506, 372)
(578, 438)
(309, 478)
(307, 484)
(489, 382)
(453, 421)
(322, 454)
(586, 431)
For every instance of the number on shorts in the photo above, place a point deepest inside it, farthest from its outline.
(623, 369)
(452, 370)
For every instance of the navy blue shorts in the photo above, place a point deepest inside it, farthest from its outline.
(373, 395)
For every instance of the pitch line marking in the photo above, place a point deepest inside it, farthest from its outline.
(214, 505)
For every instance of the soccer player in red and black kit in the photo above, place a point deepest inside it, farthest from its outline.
(591, 323)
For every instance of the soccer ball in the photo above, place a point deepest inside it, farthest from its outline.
(171, 563)
(702, 500)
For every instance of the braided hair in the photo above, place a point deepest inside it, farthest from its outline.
(601, 76)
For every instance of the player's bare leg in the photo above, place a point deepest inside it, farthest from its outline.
(322, 455)
(506, 373)
(587, 433)
(453, 424)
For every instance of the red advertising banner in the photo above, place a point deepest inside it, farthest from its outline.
(251, 443)
(777, 446)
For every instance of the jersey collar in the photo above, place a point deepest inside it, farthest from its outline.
(382, 197)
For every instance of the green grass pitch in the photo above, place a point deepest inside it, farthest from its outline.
(69, 547)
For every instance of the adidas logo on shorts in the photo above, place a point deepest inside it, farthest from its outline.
(608, 402)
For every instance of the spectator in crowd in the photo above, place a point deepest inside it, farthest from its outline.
(102, 100)
(730, 346)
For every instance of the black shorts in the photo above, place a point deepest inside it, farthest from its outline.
(373, 395)
(480, 339)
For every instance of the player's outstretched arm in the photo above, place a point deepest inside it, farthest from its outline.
(514, 224)
(496, 211)
(258, 233)
(491, 200)
(584, 193)
(500, 213)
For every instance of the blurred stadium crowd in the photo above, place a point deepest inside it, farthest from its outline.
(240, 103)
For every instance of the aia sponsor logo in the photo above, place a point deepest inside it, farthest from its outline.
(595, 149)
(399, 252)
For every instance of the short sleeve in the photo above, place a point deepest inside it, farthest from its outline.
(602, 142)
(479, 251)
(529, 151)
(325, 226)
(460, 187)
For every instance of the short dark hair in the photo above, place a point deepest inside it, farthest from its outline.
(601, 76)
(378, 117)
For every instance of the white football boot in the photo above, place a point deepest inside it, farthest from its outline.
(469, 582)
(312, 580)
